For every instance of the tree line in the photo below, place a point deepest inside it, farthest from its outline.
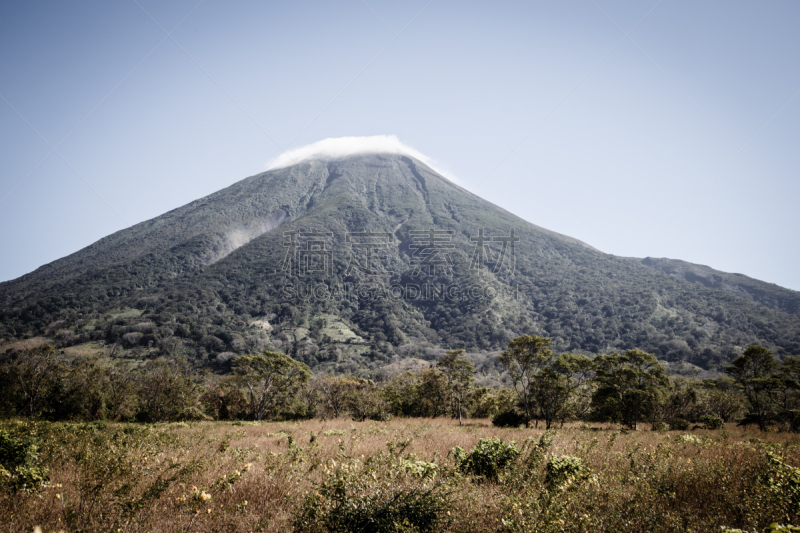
(627, 388)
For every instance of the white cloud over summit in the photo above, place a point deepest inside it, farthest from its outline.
(341, 147)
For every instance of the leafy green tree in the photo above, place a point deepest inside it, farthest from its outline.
(523, 359)
(553, 385)
(363, 400)
(167, 392)
(628, 386)
(678, 401)
(400, 393)
(484, 402)
(85, 394)
(721, 397)
(785, 394)
(122, 392)
(333, 391)
(431, 393)
(459, 372)
(755, 372)
(272, 379)
(35, 376)
(223, 399)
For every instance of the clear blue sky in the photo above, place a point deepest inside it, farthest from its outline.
(680, 140)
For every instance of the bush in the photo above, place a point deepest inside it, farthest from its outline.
(564, 470)
(712, 422)
(772, 528)
(783, 481)
(488, 458)
(508, 419)
(118, 471)
(19, 464)
(381, 416)
(384, 494)
(679, 424)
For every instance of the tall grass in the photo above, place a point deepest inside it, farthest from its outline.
(401, 475)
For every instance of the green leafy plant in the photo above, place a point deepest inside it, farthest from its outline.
(772, 528)
(783, 481)
(488, 458)
(386, 493)
(679, 424)
(20, 468)
(508, 419)
(712, 422)
(562, 471)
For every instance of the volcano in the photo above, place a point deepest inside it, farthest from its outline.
(355, 262)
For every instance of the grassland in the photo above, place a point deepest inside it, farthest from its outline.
(245, 476)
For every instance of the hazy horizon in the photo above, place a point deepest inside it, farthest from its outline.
(678, 140)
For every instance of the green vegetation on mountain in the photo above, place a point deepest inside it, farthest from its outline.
(767, 294)
(283, 261)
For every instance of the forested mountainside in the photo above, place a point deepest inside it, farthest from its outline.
(768, 294)
(360, 262)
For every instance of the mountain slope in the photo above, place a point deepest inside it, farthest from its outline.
(767, 294)
(283, 260)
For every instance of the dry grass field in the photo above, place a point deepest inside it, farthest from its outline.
(316, 475)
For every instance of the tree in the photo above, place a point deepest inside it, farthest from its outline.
(35, 376)
(523, 359)
(680, 400)
(628, 386)
(785, 394)
(364, 400)
(754, 371)
(553, 385)
(85, 395)
(459, 373)
(431, 393)
(271, 379)
(483, 402)
(167, 392)
(122, 393)
(334, 391)
(721, 396)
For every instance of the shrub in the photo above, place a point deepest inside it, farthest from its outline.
(679, 424)
(564, 470)
(488, 458)
(783, 481)
(688, 438)
(119, 471)
(384, 494)
(712, 422)
(772, 528)
(508, 419)
(19, 464)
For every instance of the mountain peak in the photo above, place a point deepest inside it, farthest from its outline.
(335, 148)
